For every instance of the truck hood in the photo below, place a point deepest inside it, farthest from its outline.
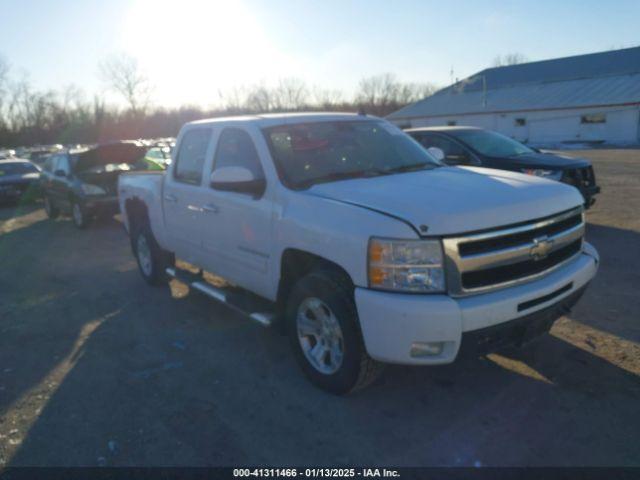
(452, 200)
(124, 152)
(19, 178)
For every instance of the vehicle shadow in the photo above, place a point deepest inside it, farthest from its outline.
(44, 301)
(141, 376)
(613, 303)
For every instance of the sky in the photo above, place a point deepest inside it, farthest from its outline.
(193, 49)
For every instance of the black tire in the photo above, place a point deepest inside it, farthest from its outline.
(79, 215)
(357, 369)
(154, 272)
(50, 209)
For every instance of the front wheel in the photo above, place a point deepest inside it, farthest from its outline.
(323, 328)
(49, 208)
(79, 215)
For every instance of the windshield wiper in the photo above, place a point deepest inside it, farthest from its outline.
(333, 177)
(411, 168)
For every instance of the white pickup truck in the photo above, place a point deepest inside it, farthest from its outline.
(353, 237)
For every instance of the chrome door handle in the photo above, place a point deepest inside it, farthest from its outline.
(170, 198)
(211, 208)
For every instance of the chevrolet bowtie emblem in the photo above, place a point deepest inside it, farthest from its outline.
(541, 247)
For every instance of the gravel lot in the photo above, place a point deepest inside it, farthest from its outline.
(96, 368)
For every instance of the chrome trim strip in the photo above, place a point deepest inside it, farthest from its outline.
(456, 265)
(517, 254)
(522, 228)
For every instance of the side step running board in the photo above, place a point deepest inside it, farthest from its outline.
(241, 301)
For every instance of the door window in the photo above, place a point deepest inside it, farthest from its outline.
(236, 149)
(49, 163)
(454, 154)
(191, 155)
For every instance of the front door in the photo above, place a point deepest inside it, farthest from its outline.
(60, 182)
(236, 229)
(183, 195)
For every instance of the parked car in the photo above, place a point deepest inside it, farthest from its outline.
(7, 154)
(18, 180)
(477, 147)
(158, 158)
(83, 183)
(366, 249)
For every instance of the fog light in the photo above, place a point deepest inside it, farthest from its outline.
(426, 349)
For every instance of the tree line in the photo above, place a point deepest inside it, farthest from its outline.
(29, 116)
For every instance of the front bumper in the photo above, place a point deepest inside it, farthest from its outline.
(15, 191)
(101, 205)
(588, 193)
(392, 322)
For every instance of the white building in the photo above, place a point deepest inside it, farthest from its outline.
(586, 98)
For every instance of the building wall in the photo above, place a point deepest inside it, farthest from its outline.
(621, 126)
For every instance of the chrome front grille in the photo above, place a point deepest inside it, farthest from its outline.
(486, 261)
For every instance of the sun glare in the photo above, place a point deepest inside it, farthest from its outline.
(192, 49)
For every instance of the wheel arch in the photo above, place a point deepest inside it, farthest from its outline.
(136, 211)
(296, 263)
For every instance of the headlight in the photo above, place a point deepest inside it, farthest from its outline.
(539, 172)
(406, 265)
(92, 189)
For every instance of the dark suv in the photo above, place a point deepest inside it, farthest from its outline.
(483, 148)
(84, 183)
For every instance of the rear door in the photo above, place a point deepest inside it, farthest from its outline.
(46, 177)
(183, 194)
(236, 231)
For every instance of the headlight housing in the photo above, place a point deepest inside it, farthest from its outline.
(406, 265)
(540, 172)
(92, 189)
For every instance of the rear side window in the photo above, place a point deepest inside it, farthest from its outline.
(190, 158)
(236, 149)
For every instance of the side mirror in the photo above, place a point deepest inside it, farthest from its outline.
(436, 153)
(237, 179)
(60, 173)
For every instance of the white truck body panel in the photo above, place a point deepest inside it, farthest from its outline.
(243, 239)
(455, 200)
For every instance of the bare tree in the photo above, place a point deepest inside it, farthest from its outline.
(259, 99)
(233, 100)
(509, 59)
(382, 94)
(378, 90)
(412, 92)
(290, 94)
(4, 76)
(327, 98)
(122, 74)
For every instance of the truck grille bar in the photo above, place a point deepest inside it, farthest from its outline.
(487, 261)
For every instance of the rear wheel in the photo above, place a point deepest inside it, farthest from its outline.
(324, 332)
(152, 260)
(49, 208)
(79, 215)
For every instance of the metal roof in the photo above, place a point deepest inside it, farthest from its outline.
(607, 78)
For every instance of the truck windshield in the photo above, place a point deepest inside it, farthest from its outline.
(492, 144)
(310, 153)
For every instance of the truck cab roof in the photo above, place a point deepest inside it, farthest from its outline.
(273, 119)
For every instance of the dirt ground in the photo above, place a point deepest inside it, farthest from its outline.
(97, 368)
